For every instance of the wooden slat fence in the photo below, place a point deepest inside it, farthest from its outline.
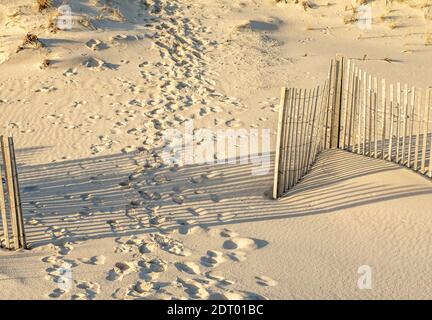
(356, 112)
(12, 234)
(300, 135)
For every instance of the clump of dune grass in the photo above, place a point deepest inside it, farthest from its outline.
(30, 39)
(45, 64)
(352, 18)
(52, 21)
(44, 4)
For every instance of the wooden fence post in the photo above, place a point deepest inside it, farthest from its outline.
(14, 200)
(337, 87)
(278, 145)
(4, 213)
(20, 218)
(10, 189)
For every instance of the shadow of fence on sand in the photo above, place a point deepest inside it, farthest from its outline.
(95, 197)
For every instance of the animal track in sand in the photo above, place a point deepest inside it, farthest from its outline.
(266, 281)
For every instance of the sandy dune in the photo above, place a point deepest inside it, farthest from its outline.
(107, 219)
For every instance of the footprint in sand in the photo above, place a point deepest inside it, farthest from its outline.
(188, 267)
(96, 260)
(244, 244)
(140, 289)
(237, 256)
(119, 293)
(212, 259)
(57, 293)
(120, 270)
(92, 289)
(227, 233)
(95, 44)
(266, 281)
(194, 289)
(70, 72)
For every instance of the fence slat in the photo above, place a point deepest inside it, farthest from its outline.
(331, 88)
(297, 120)
(314, 121)
(375, 104)
(411, 126)
(284, 149)
(11, 191)
(301, 139)
(292, 141)
(384, 128)
(276, 193)
(364, 119)
(309, 131)
(419, 127)
(4, 214)
(352, 109)
(360, 113)
(346, 98)
(425, 131)
(398, 117)
(370, 114)
(289, 140)
(405, 123)
(391, 122)
(288, 147)
(20, 218)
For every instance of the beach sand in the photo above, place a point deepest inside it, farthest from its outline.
(107, 219)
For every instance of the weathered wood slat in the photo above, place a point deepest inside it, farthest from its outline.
(405, 123)
(290, 130)
(284, 149)
(297, 136)
(365, 90)
(384, 127)
(411, 126)
(390, 150)
(425, 130)
(11, 191)
(292, 139)
(4, 214)
(346, 99)
(20, 218)
(398, 120)
(375, 125)
(276, 192)
(419, 128)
